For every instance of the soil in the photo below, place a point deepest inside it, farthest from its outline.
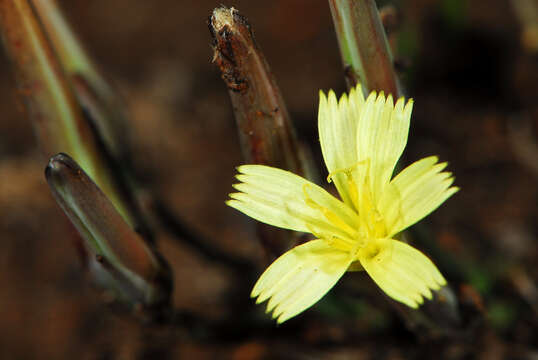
(472, 72)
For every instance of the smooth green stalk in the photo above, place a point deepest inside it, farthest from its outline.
(92, 90)
(363, 46)
(70, 51)
(50, 100)
(367, 60)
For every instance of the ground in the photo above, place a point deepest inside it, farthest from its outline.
(473, 77)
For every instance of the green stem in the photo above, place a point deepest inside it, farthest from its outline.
(363, 46)
(50, 100)
(92, 90)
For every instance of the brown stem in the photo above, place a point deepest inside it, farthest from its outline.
(265, 130)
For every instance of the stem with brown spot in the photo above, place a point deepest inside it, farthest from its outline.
(265, 130)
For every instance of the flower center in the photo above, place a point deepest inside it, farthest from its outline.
(371, 223)
(371, 250)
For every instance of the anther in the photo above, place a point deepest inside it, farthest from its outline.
(328, 214)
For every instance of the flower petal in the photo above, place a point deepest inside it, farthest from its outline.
(414, 193)
(281, 198)
(381, 138)
(401, 271)
(300, 277)
(337, 123)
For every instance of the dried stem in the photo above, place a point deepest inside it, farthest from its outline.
(265, 129)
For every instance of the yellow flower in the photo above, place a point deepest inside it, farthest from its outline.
(361, 140)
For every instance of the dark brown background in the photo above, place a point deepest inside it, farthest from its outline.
(474, 85)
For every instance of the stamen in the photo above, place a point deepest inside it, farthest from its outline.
(352, 186)
(353, 192)
(347, 171)
(338, 243)
(380, 230)
(355, 250)
(315, 232)
(373, 221)
(367, 204)
(370, 216)
(329, 215)
(336, 221)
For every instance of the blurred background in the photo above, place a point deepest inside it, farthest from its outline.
(472, 68)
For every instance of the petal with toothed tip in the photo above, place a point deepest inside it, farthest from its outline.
(337, 123)
(382, 132)
(299, 278)
(414, 193)
(401, 271)
(281, 198)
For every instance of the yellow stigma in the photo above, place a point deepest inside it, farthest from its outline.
(371, 223)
